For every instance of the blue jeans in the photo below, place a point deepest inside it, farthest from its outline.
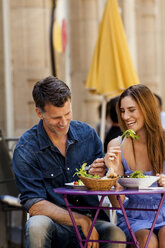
(42, 232)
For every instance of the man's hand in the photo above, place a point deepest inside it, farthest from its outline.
(85, 226)
(61, 216)
(98, 167)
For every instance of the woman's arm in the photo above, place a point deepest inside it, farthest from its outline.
(161, 181)
(113, 159)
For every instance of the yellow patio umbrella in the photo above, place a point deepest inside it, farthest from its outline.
(112, 69)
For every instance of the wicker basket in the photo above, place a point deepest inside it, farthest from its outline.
(97, 183)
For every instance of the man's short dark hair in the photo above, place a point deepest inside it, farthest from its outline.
(50, 90)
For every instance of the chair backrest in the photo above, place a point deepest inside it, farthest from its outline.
(7, 180)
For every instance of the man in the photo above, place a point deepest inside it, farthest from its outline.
(46, 157)
(162, 113)
(114, 130)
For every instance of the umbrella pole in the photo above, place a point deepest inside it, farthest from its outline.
(103, 117)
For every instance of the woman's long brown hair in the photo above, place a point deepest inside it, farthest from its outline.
(154, 131)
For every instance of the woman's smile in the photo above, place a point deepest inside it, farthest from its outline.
(131, 114)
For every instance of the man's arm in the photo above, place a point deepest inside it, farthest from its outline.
(61, 216)
(98, 167)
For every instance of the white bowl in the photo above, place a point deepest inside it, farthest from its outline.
(137, 182)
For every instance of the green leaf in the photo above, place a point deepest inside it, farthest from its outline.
(137, 174)
(82, 172)
(130, 133)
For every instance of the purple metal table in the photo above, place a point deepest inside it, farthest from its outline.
(103, 194)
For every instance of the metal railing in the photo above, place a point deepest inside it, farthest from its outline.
(11, 143)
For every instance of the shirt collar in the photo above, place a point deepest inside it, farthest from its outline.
(72, 134)
(43, 138)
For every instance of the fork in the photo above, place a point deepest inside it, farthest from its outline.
(87, 167)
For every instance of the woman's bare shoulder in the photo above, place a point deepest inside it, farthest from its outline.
(114, 142)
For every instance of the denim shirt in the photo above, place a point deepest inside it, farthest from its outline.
(39, 166)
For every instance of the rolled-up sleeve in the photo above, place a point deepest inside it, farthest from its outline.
(30, 202)
(28, 175)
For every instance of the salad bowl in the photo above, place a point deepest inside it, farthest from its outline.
(144, 182)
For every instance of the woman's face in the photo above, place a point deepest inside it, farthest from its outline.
(131, 114)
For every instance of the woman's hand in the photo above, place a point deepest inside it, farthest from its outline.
(112, 158)
(161, 181)
(98, 167)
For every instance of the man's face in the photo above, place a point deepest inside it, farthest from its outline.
(56, 120)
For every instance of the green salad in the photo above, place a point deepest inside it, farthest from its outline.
(79, 183)
(82, 172)
(137, 174)
(130, 133)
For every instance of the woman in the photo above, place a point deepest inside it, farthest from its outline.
(137, 110)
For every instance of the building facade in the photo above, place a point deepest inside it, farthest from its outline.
(25, 53)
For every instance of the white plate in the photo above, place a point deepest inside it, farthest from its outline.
(137, 182)
(154, 188)
(75, 186)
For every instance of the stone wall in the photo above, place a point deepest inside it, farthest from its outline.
(2, 86)
(30, 24)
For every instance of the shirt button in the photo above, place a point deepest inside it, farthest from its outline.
(77, 201)
(52, 175)
(68, 168)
